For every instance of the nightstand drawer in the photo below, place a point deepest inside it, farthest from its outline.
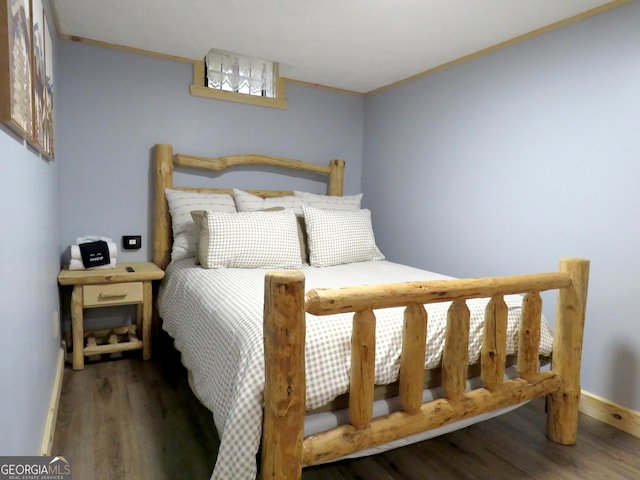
(113, 294)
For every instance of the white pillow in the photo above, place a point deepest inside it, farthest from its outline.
(248, 239)
(335, 237)
(331, 202)
(248, 202)
(185, 232)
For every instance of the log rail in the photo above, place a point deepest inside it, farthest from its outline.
(285, 450)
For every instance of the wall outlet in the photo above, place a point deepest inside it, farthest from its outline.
(56, 324)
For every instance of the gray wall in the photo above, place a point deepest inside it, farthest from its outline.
(116, 105)
(29, 251)
(505, 163)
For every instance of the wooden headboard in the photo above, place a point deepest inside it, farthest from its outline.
(165, 161)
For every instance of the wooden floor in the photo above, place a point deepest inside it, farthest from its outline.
(135, 420)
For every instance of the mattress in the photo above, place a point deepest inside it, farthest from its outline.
(215, 319)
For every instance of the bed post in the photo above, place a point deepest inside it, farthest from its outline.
(284, 388)
(562, 405)
(336, 177)
(163, 164)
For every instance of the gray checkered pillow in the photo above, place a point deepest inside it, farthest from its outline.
(248, 239)
(339, 236)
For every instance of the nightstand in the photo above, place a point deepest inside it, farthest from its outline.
(106, 288)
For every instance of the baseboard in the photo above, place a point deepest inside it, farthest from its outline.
(50, 425)
(617, 416)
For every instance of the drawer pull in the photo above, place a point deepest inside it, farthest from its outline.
(111, 295)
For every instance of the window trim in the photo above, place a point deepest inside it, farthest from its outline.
(198, 89)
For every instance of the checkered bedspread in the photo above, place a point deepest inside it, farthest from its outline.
(215, 318)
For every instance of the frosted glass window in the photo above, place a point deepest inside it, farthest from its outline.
(236, 73)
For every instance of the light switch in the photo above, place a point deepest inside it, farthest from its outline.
(131, 242)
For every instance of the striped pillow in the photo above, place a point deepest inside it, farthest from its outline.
(330, 202)
(248, 202)
(185, 232)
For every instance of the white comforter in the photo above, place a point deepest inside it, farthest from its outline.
(215, 317)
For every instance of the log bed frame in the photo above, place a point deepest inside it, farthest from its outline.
(285, 451)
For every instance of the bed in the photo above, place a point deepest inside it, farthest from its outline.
(386, 351)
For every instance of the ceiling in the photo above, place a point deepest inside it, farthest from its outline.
(355, 45)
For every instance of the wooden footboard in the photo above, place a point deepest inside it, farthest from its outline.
(284, 450)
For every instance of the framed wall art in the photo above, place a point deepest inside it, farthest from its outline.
(38, 76)
(47, 117)
(42, 80)
(16, 88)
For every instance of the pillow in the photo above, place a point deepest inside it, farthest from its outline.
(248, 202)
(302, 232)
(185, 232)
(336, 237)
(330, 202)
(248, 239)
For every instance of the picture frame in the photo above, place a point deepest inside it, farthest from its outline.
(47, 126)
(16, 88)
(38, 76)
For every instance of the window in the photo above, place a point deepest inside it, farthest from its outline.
(229, 76)
(232, 73)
